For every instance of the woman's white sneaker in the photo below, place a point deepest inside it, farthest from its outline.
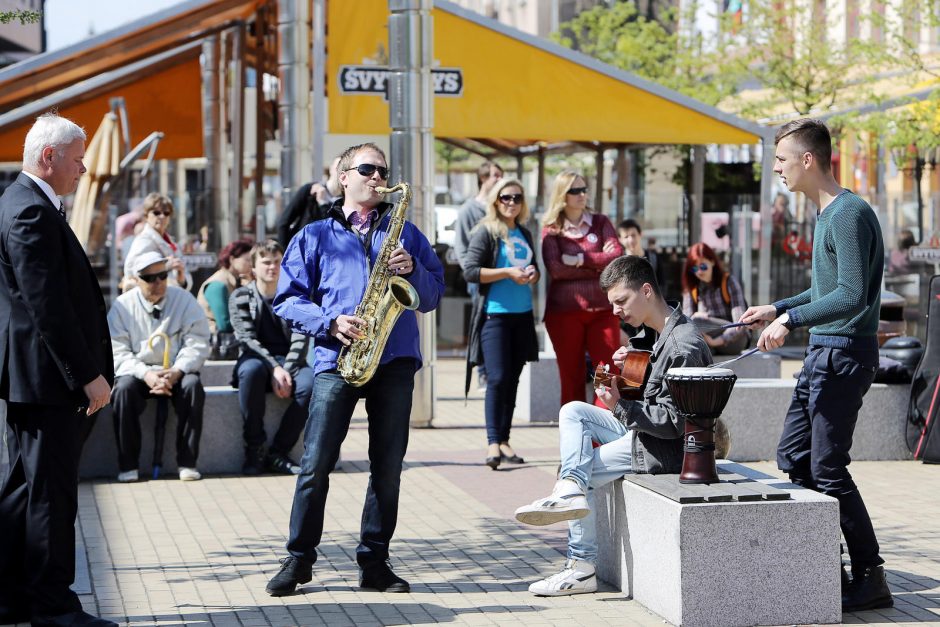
(566, 502)
(577, 577)
(128, 476)
(189, 474)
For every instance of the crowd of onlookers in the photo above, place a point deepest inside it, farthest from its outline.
(499, 258)
(162, 335)
(231, 316)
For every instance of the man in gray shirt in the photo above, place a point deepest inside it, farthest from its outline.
(141, 321)
(471, 212)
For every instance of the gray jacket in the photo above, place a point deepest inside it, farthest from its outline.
(657, 447)
(471, 212)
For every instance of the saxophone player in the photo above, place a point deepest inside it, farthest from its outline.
(325, 272)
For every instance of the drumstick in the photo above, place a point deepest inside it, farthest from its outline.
(715, 327)
(741, 356)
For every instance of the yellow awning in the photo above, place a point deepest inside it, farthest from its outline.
(496, 82)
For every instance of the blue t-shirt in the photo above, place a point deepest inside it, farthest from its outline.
(505, 295)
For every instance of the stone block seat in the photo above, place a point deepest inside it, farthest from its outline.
(221, 447)
(757, 407)
(750, 550)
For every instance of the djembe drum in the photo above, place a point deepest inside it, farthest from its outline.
(700, 395)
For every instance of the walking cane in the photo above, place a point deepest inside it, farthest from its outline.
(163, 407)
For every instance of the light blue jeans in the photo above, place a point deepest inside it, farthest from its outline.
(580, 424)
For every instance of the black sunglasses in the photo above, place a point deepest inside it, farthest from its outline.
(576, 191)
(150, 278)
(158, 212)
(367, 170)
(510, 198)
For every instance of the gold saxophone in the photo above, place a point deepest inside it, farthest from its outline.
(386, 297)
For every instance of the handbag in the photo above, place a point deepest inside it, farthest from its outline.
(224, 347)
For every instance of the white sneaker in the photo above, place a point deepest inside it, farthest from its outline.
(189, 474)
(128, 476)
(577, 577)
(566, 502)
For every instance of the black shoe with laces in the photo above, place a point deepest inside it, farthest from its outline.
(276, 462)
(380, 577)
(294, 571)
(868, 591)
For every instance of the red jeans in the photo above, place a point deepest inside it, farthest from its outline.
(574, 332)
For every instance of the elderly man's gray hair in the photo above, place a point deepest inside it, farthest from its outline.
(53, 130)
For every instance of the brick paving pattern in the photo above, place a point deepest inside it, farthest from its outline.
(200, 553)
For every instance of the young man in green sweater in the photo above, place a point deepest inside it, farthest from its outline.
(841, 308)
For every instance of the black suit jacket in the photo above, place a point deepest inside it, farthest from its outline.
(53, 320)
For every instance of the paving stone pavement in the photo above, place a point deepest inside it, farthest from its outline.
(200, 553)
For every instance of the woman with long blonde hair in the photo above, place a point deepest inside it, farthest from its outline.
(577, 244)
(501, 258)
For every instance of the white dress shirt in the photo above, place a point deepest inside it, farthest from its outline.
(45, 187)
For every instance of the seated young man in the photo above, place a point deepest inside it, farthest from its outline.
(634, 436)
(272, 359)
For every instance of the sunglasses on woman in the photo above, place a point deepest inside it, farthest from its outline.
(157, 276)
(368, 169)
(158, 212)
(508, 199)
(576, 191)
(702, 267)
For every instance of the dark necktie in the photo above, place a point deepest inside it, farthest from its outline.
(155, 313)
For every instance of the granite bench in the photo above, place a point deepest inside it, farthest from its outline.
(538, 398)
(757, 407)
(221, 447)
(749, 550)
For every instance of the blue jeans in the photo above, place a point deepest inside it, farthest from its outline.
(254, 381)
(388, 405)
(580, 424)
(817, 437)
(505, 343)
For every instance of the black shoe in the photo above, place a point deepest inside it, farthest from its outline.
(493, 462)
(71, 619)
(13, 616)
(868, 591)
(512, 459)
(276, 462)
(254, 461)
(380, 577)
(293, 571)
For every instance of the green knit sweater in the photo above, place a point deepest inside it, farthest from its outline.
(843, 303)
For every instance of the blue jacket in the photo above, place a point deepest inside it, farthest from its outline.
(324, 274)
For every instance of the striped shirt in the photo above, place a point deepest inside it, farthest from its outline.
(712, 304)
(245, 311)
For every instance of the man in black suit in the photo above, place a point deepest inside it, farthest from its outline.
(56, 371)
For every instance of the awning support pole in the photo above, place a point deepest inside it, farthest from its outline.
(411, 116)
(236, 186)
(766, 226)
(210, 116)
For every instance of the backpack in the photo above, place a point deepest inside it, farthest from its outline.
(725, 294)
(923, 436)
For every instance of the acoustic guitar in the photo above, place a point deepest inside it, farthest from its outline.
(631, 380)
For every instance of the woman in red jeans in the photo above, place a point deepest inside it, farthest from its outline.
(577, 245)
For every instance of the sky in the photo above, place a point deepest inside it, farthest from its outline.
(68, 21)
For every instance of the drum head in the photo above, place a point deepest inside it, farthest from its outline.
(708, 373)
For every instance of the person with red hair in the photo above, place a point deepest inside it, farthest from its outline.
(712, 298)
